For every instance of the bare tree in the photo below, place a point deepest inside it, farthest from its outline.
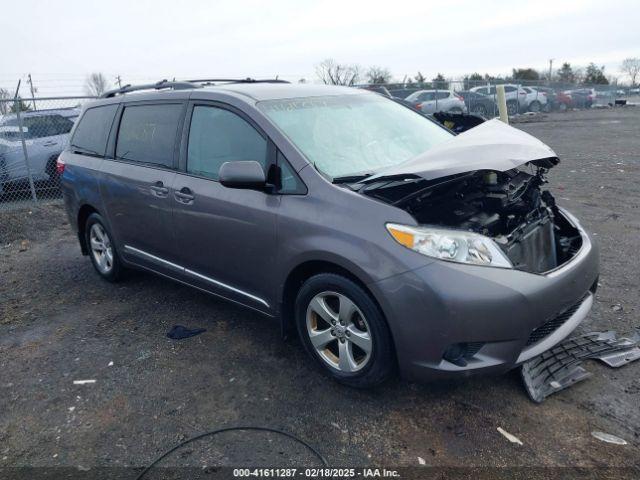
(631, 66)
(378, 75)
(96, 84)
(4, 106)
(333, 73)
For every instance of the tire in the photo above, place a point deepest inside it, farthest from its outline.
(534, 106)
(562, 107)
(102, 251)
(479, 109)
(512, 107)
(340, 349)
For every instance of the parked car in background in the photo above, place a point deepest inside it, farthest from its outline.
(515, 96)
(582, 97)
(550, 95)
(46, 133)
(563, 101)
(536, 100)
(431, 101)
(402, 92)
(479, 104)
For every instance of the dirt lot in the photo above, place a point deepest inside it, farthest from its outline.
(59, 323)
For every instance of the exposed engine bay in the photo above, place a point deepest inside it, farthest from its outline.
(508, 207)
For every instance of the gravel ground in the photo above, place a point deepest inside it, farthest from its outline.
(59, 323)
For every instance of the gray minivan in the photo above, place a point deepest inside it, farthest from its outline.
(384, 239)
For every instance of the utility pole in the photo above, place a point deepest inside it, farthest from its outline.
(550, 70)
(119, 80)
(33, 90)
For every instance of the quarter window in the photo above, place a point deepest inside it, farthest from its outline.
(92, 132)
(217, 136)
(148, 133)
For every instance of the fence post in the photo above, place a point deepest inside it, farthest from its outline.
(17, 103)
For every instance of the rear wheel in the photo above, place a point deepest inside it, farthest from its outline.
(512, 107)
(534, 106)
(344, 331)
(102, 251)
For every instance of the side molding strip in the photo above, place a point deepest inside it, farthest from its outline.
(180, 268)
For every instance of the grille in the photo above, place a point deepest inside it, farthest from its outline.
(550, 326)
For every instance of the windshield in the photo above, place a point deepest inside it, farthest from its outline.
(351, 135)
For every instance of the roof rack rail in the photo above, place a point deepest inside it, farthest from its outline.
(162, 84)
(236, 80)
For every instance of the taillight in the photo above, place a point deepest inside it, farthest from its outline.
(419, 106)
(60, 166)
(460, 98)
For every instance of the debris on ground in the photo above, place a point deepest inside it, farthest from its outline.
(560, 367)
(421, 461)
(607, 437)
(178, 332)
(83, 382)
(510, 437)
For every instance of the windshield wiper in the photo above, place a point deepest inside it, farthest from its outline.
(352, 178)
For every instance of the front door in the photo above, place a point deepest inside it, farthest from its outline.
(226, 237)
(137, 182)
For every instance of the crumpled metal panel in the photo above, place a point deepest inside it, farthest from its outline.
(560, 367)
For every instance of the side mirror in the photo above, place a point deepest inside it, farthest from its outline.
(242, 174)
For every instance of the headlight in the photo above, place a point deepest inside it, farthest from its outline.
(451, 245)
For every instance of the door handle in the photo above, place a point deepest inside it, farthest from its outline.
(184, 195)
(49, 144)
(159, 190)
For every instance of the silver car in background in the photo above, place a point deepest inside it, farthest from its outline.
(46, 133)
(432, 101)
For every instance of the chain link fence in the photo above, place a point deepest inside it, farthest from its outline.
(33, 132)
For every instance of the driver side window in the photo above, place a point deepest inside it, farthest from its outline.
(217, 136)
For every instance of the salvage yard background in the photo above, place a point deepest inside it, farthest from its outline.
(59, 323)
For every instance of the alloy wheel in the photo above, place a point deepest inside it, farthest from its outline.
(339, 332)
(101, 248)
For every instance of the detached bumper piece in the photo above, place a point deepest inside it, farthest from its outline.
(560, 367)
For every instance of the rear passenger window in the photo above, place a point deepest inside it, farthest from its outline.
(147, 133)
(217, 136)
(93, 130)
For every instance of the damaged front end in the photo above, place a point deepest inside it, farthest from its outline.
(508, 206)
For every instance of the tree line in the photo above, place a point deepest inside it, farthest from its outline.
(332, 72)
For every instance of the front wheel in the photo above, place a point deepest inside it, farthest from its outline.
(534, 106)
(344, 331)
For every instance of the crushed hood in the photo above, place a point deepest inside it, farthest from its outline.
(492, 145)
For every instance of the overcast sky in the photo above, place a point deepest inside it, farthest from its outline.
(61, 42)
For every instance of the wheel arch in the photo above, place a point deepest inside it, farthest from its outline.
(301, 273)
(83, 214)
